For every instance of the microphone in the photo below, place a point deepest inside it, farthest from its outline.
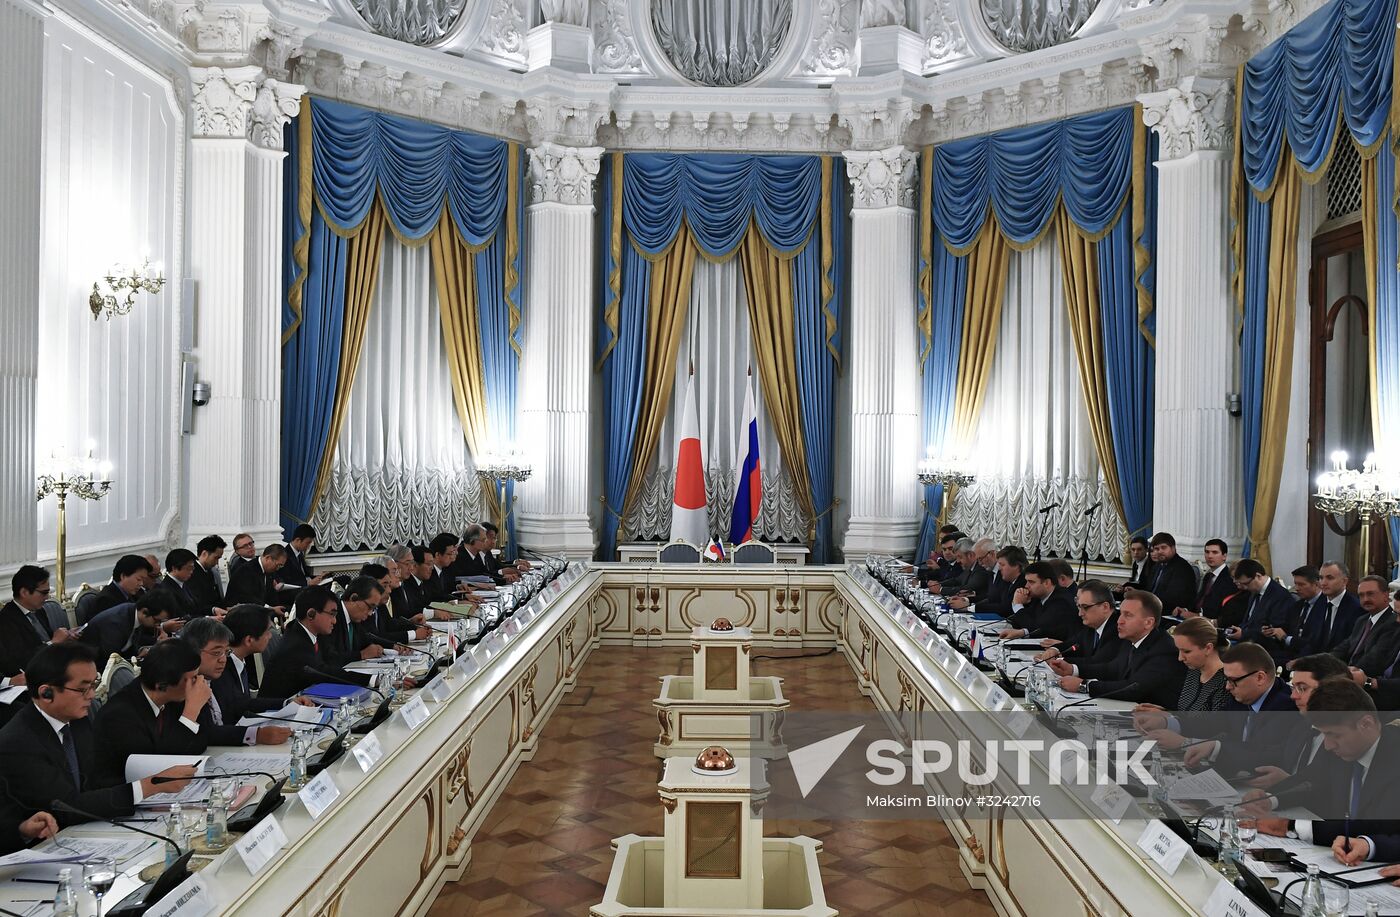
(1046, 509)
(1093, 508)
(288, 719)
(272, 777)
(1126, 689)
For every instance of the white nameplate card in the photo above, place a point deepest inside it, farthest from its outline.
(1163, 846)
(439, 689)
(368, 752)
(997, 698)
(318, 795)
(907, 619)
(941, 652)
(512, 627)
(415, 712)
(191, 898)
(466, 665)
(1228, 901)
(259, 846)
(1112, 801)
(968, 677)
(1019, 722)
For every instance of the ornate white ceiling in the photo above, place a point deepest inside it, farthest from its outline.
(850, 74)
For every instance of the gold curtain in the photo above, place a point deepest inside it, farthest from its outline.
(667, 304)
(1079, 267)
(768, 279)
(987, 264)
(1282, 305)
(362, 255)
(454, 273)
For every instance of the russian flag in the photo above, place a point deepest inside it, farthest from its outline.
(749, 492)
(690, 520)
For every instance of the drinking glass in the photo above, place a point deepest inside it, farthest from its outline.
(98, 875)
(1248, 830)
(1336, 899)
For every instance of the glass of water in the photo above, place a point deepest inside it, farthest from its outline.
(98, 875)
(1336, 899)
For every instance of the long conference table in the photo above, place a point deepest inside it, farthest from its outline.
(397, 832)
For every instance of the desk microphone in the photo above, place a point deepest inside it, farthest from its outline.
(171, 877)
(272, 777)
(59, 804)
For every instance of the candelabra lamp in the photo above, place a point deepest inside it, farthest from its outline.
(1368, 493)
(499, 468)
(66, 476)
(144, 279)
(950, 471)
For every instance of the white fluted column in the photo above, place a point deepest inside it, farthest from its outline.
(884, 504)
(235, 212)
(22, 74)
(1197, 487)
(556, 371)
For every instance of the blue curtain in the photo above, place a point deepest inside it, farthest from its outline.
(718, 196)
(940, 372)
(1085, 161)
(1339, 58)
(1386, 326)
(419, 171)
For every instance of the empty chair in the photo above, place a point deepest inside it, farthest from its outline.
(753, 552)
(86, 604)
(679, 552)
(57, 615)
(119, 673)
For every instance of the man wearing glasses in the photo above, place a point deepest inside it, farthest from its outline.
(48, 751)
(24, 628)
(244, 552)
(211, 639)
(304, 646)
(1255, 727)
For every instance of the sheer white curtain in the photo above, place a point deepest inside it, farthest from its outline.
(1033, 445)
(717, 340)
(401, 470)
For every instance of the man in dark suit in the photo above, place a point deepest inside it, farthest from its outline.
(1096, 638)
(257, 582)
(942, 561)
(1173, 579)
(418, 587)
(1217, 586)
(352, 639)
(391, 618)
(1351, 785)
(204, 583)
(1009, 577)
(244, 552)
(1146, 668)
(48, 751)
(1252, 722)
(972, 579)
(512, 571)
(128, 584)
(24, 628)
(158, 714)
(297, 573)
(129, 629)
(1041, 608)
(1372, 646)
(251, 629)
(1307, 619)
(1140, 552)
(210, 638)
(1338, 615)
(472, 557)
(1270, 606)
(285, 674)
(179, 570)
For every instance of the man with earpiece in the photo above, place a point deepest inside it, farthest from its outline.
(158, 714)
(49, 750)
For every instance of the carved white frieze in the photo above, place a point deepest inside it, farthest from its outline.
(876, 13)
(565, 12)
(504, 33)
(614, 45)
(275, 104)
(876, 124)
(554, 118)
(223, 98)
(882, 178)
(1196, 116)
(563, 174)
(945, 41)
(833, 44)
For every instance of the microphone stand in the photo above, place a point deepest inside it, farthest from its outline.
(172, 876)
(1084, 551)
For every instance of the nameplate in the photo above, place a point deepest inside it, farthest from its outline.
(191, 898)
(368, 752)
(439, 689)
(967, 677)
(997, 699)
(1019, 722)
(1228, 901)
(415, 712)
(466, 665)
(907, 620)
(259, 846)
(1162, 846)
(1112, 801)
(526, 616)
(941, 652)
(318, 795)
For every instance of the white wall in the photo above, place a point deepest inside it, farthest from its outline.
(112, 190)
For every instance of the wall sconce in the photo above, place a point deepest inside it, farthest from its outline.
(133, 280)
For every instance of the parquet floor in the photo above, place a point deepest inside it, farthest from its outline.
(545, 849)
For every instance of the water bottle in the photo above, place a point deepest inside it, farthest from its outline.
(216, 817)
(175, 833)
(296, 776)
(1227, 858)
(1372, 909)
(65, 900)
(1311, 903)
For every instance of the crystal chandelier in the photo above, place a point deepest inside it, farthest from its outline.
(510, 465)
(950, 471)
(1342, 491)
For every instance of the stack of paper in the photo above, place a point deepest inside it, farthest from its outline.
(1207, 785)
(44, 861)
(299, 712)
